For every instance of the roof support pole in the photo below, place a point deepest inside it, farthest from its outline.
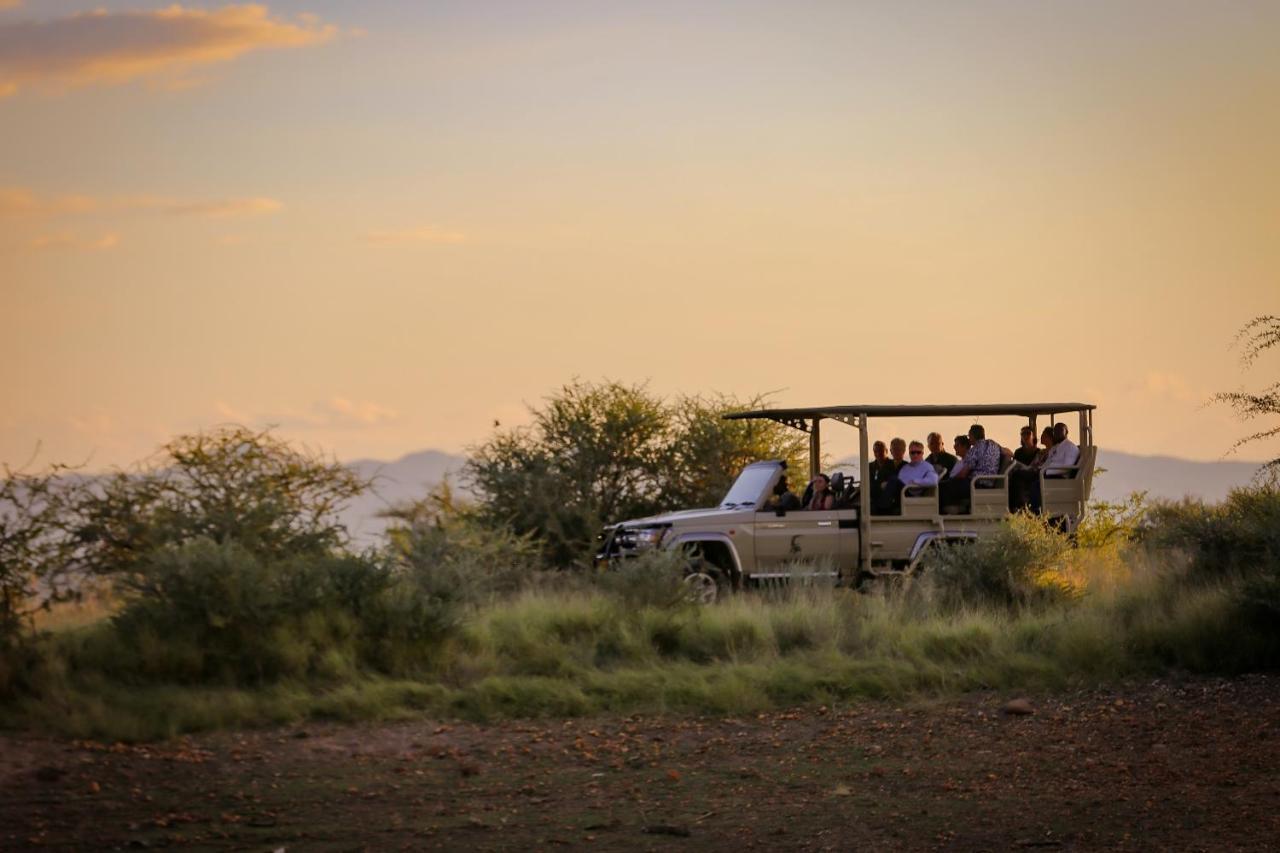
(815, 450)
(864, 496)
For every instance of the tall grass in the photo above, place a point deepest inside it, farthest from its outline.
(1024, 610)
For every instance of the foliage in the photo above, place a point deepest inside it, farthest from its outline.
(1257, 336)
(707, 452)
(228, 485)
(33, 548)
(1239, 536)
(652, 579)
(214, 612)
(1022, 562)
(1113, 522)
(598, 453)
(446, 546)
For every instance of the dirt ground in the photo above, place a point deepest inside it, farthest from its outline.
(1189, 764)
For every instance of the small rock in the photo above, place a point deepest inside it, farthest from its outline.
(1017, 708)
(50, 774)
(667, 829)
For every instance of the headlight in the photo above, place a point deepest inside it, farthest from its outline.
(650, 537)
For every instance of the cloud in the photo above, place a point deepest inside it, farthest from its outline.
(225, 207)
(408, 236)
(10, 4)
(23, 203)
(49, 242)
(102, 47)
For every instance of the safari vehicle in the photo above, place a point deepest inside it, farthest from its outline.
(743, 541)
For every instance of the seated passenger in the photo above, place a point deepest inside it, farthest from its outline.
(1046, 443)
(1024, 486)
(981, 458)
(1063, 452)
(882, 467)
(938, 457)
(917, 472)
(822, 497)
(1027, 451)
(898, 450)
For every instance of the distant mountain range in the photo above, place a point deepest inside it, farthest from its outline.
(412, 477)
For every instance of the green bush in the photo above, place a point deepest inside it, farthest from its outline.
(1022, 562)
(1240, 536)
(652, 579)
(455, 555)
(214, 612)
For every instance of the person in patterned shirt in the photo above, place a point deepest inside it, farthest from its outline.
(983, 458)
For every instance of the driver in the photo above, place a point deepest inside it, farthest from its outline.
(782, 498)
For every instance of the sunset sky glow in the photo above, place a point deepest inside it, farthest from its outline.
(381, 226)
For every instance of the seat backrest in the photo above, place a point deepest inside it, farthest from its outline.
(989, 494)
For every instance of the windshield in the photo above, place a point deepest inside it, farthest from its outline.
(746, 490)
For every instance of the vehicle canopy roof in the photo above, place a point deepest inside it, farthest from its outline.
(899, 411)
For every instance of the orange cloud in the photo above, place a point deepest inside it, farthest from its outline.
(424, 234)
(22, 203)
(117, 47)
(69, 241)
(226, 207)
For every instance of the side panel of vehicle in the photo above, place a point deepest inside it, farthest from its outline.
(799, 535)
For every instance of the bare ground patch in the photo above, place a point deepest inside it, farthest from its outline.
(1189, 764)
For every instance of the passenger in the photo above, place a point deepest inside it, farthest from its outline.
(1063, 452)
(882, 467)
(898, 450)
(917, 472)
(822, 497)
(1046, 442)
(1026, 484)
(982, 458)
(960, 444)
(1026, 454)
(1024, 479)
(782, 498)
(938, 457)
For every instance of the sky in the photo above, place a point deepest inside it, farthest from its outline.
(382, 226)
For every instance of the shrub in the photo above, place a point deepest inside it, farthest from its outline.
(604, 452)
(454, 554)
(230, 484)
(1240, 536)
(1023, 562)
(652, 579)
(33, 550)
(205, 611)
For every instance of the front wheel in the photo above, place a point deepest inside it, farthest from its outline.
(702, 588)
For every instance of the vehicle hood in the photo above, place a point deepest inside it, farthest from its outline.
(684, 515)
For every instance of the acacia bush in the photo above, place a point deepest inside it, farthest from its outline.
(33, 550)
(448, 547)
(230, 484)
(599, 453)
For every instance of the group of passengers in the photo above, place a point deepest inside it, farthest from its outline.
(901, 467)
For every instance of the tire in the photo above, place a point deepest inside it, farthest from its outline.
(703, 587)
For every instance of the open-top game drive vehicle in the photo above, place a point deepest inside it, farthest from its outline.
(745, 540)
